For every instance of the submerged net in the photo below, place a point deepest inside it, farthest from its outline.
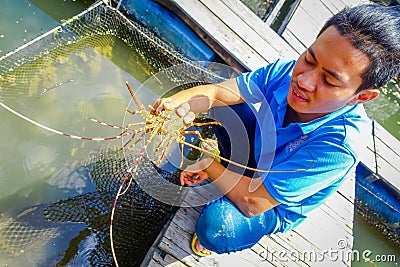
(137, 221)
(139, 217)
(17, 236)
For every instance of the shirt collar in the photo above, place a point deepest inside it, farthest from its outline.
(280, 94)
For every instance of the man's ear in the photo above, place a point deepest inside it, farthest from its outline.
(364, 96)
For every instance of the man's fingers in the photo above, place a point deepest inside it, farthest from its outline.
(183, 109)
(164, 104)
(189, 118)
(189, 178)
(168, 104)
(185, 178)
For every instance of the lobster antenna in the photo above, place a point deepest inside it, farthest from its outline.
(138, 104)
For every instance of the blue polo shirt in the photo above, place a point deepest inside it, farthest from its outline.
(324, 150)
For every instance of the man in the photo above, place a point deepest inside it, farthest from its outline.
(314, 103)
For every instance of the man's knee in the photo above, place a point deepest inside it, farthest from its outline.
(222, 228)
(211, 226)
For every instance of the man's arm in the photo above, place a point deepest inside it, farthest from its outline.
(203, 97)
(248, 194)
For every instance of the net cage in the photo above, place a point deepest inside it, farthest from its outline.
(139, 217)
(137, 222)
(377, 203)
(95, 25)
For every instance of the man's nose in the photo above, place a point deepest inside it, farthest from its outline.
(307, 81)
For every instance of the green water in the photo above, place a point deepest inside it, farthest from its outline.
(39, 167)
(366, 238)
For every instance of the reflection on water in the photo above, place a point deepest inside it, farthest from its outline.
(18, 27)
(97, 91)
(370, 242)
(385, 109)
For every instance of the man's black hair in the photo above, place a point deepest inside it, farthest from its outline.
(375, 31)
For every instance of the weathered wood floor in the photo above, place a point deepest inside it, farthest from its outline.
(327, 228)
(245, 42)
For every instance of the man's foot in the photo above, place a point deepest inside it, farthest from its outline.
(198, 249)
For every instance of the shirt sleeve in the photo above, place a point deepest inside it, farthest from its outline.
(258, 84)
(320, 164)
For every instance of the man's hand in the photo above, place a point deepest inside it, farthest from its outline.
(195, 173)
(182, 110)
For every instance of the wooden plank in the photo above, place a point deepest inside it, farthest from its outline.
(165, 260)
(367, 155)
(343, 210)
(154, 263)
(183, 226)
(220, 51)
(382, 156)
(388, 173)
(176, 243)
(338, 5)
(348, 188)
(386, 137)
(288, 16)
(309, 18)
(276, 252)
(186, 218)
(245, 257)
(263, 255)
(314, 227)
(198, 196)
(251, 45)
(333, 6)
(294, 42)
(299, 243)
(222, 35)
(345, 222)
(303, 28)
(322, 231)
(317, 12)
(388, 155)
(241, 29)
(259, 27)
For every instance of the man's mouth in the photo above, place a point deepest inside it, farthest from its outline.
(297, 94)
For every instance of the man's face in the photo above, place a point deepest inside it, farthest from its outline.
(326, 76)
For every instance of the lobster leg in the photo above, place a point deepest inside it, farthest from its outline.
(195, 133)
(160, 145)
(133, 134)
(164, 152)
(138, 140)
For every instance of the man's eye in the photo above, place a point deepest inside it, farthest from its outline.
(328, 83)
(306, 60)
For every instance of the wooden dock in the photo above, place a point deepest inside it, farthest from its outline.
(235, 33)
(245, 42)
